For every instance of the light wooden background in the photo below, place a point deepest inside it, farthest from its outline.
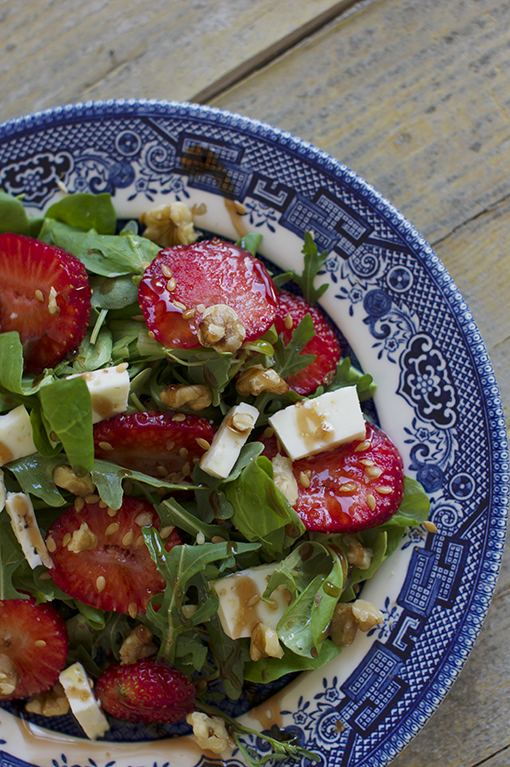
(414, 95)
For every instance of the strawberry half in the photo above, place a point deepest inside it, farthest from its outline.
(45, 296)
(100, 557)
(33, 647)
(325, 344)
(153, 443)
(146, 691)
(351, 488)
(183, 281)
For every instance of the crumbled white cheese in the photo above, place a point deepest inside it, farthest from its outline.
(16, 439)
(109, 391)
(233, 432)
(83, 702)
(314, 425)
(25, 527)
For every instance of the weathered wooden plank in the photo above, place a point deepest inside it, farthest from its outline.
(53, 53)
(411, 94)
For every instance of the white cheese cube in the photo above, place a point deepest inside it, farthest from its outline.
(109, 391)
(241, 607)
(83, 702)
(16, 439)
(235, 429)
(24, 524)
(314, 425)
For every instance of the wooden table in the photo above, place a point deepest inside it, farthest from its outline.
(414, 95)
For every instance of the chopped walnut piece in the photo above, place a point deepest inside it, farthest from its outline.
(220, 329)
(256, 379)
(366, 614)
(170, 225)
(343, 627)
(64, 476)
(8, 676)
(284, 478)
(357, 554)
(210, 732)
(265, 643)
(53, 702)
(82, 539)
(196, 397)
(138, 644)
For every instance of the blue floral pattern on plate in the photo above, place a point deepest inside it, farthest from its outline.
(407, 324)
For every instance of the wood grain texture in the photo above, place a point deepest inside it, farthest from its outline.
(59, 51)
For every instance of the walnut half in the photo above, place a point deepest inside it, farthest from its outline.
(221, 329)
(210, 732)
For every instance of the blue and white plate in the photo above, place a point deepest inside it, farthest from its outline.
(407, 324)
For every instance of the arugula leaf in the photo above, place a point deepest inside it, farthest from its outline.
(347, 375)
(67, 411)
(11, 369)
(11, 557)
(107, 255)
(13, 217)
(114, 292)
(289, 359)
(261, 511)
(230, 656)
(34, 474)
(413, 510)
(313, 263)
(250, 242)
(85, 211)
(172, 513)
(267, 670)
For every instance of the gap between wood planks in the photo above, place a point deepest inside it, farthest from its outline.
(276, 50)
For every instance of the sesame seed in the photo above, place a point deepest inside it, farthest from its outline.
(103, 505)
(171, 284)
(203, 443)
(200, 538)
(112, 528)
(39, 295)
(371, 502)
(133, 609)
(128, 538)
(145, 264)
(304, 480)
(373, 471)
(79, 503)
(138, 318)
(106, 446)
(183, 452)
(122, 367)
(92, 498)
(144, 519)
(166, 531)
(167, 272)
(111, 512)
(217, 539)
(268, 432)
(39, 643)
(100, 583)
(139, 541)
(66, 539)
(348, 487)
(365, 445)
(252, 601)
(161, 471)
(151, 335)
(186, 469)
(51, 545)
(179, 417)
(288, 321)
(384, 490)
(180, 305)
(430, 527)
(188, 314)
(366, 462)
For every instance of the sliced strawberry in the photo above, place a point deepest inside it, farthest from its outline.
(33, 647)
(100, 556)
(325, 344)
(351, 488)
(153, 443)
(146, 691)
(45, 296)
(184, 280)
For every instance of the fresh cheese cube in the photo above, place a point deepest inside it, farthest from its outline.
(16, 439)
(24, 524)
(83, 702)
(314, 425)
(235, 429)
(240, 605)
(109, 391)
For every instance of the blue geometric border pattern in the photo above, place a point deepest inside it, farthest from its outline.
(391, 282)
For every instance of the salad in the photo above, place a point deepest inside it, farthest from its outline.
(191, 496)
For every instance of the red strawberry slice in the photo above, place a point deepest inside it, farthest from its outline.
(146, 691)
(45, 296)
(100, 557)
(158, 444)
(33, 647)
(351, 488)
(325, 344)
(184, 280)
